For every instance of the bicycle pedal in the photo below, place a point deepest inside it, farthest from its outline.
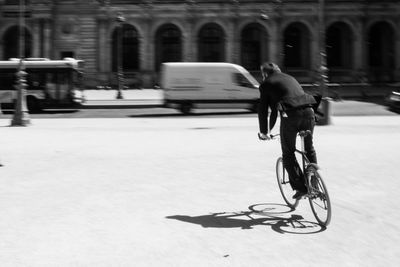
(299, 196)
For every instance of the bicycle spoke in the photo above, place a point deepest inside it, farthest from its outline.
(319, 198)
(284, 185)
(324, 206)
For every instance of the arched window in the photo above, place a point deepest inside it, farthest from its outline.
(339, 46)
(211, 43)
(253, 50)
(296, 46)
(11, 41)
(381, 45)
(168, 45)
(129, 47)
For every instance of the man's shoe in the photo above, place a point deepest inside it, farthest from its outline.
(299, 195)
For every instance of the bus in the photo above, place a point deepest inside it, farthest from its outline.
(50, 83)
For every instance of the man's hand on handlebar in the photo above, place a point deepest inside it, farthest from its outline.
(263, 136)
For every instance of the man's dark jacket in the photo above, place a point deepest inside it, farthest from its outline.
(280, 91)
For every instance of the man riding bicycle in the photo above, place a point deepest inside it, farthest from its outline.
(281, 92)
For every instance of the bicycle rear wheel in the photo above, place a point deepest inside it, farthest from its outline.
(284, 185)
(318, 197)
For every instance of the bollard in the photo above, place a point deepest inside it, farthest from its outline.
(21, 115)
(326, 110)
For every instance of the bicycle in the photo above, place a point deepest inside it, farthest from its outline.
(317, 192)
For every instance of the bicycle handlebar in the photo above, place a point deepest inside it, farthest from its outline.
(271, 136)
(303, 133)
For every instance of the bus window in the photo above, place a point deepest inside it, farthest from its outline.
(36, 81)
(49, 81)
(51, 85)
(63, 82)
(77, 80)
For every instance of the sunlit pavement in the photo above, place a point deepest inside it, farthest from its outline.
(192, 191)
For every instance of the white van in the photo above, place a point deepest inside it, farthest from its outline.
(190, 85)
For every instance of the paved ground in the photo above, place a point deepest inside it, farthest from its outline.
(184, 191)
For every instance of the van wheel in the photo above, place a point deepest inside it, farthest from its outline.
(185, 108)
(33, 104)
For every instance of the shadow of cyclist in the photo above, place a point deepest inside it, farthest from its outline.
(279, 221)
(198, 114)
(220, 220)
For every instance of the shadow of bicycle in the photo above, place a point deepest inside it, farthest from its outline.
(174, 113)
(276, 216)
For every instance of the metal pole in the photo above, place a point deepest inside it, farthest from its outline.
(120, 71)
(323, 69)
(21, 115)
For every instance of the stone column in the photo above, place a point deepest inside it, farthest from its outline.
(234, 43)
(190, 38)
(185, 44)
(35, 39)
(234, 40)
(109, 28)
(47, 39)
(189, 42)
(360, 51)
(272, 46)
(359, 48)
(146, 57)
(277, 52)
(315, 43)
(143, 46)
(149, 56)
(229, 43)
(102, 51)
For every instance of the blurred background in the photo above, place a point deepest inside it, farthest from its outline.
(358, 38)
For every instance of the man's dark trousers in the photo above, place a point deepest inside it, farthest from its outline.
(296, 121)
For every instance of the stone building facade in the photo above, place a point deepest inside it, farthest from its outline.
(362, 37)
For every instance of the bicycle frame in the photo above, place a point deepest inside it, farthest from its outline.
(305, 162)
(302, 152)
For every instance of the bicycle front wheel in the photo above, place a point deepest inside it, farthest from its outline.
(318, 197)
(284, 185)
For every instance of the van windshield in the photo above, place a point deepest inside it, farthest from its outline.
(249, 77)
(241, 80)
